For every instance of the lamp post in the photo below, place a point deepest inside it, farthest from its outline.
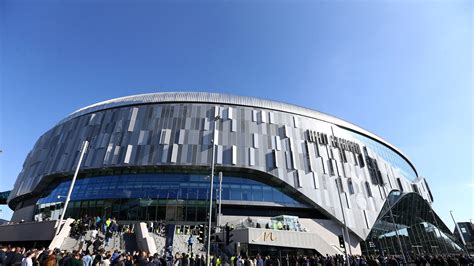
(216, 118)
(338, 183)
(459, 231)
(71, 187)
(346, 236)
(219, 209)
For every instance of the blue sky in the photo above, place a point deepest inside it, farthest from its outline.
(401, 69)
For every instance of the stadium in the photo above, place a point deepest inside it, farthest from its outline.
(287, 178)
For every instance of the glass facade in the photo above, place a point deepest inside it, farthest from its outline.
(179, 197)
(409, 218)
(388, 155)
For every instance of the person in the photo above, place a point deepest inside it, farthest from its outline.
(87, 259)
(141, 259)
(184, 259)
(3, 255)
(17, 257)
(97, 259)
(108, 235)
(200, 261)
(279, 225)
(190, 244)
(94, 234)
(177, 260)
(75, 260)
(50, 260)
(96, 245)
(27, 261)
(259, 260)
(106, 261)
(128, 260)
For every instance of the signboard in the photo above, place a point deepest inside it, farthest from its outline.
(343, 144)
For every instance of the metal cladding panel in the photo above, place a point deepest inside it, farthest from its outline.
(219, 98)
(175, 129)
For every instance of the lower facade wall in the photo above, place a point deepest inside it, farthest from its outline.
(43, 231)
(25, 214)
(328, 230)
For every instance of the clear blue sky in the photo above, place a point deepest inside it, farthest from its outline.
(401, 69)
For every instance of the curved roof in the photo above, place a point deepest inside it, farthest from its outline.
(219, 98)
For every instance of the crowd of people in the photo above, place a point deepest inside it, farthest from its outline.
(15, 256)
(102, 230)
(157, 227)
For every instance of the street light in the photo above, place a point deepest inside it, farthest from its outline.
(345, 229)
(219, 210)
(71, 187)
(216, 118)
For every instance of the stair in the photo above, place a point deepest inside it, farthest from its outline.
(125, 242)
(180, 244)
(70, 244)
(160, 242)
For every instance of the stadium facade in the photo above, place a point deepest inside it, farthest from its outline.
(149, 159)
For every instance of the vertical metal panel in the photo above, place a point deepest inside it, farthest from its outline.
(348, 200)
(234, 155)
(287, 131)
(219, 154)
(271, 117)
(206, 124)
(276, 164)
(134, 112)
(367, 221)
(299, 178)
(277, 143)
(296, 123)
(174, 153)
(263, 116)
(128, 154)
(255, 140)
(315, 180)
(251, 156)
(182, 134)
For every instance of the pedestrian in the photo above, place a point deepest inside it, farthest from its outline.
(27, 261)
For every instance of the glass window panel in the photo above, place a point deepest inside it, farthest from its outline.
(124, 190)
(235, 192)
(257, 194)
